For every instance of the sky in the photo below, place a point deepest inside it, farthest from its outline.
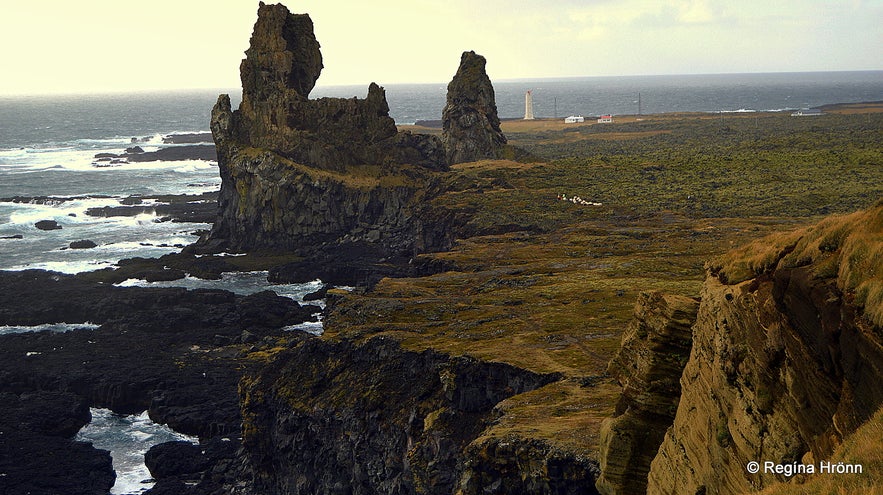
(63, 46)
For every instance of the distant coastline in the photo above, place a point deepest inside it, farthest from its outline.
(842, 108)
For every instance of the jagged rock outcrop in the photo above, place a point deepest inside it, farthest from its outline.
(282, 65)
(337, 417)
(648, 366)
(469, 120)
(787, 357)
(311, 175)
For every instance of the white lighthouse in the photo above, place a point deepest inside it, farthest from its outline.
(528, 106)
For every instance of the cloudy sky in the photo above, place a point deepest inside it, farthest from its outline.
(63, 46)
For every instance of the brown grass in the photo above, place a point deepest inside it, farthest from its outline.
(849, 247)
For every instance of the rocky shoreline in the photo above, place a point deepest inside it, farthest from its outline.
(176, 353)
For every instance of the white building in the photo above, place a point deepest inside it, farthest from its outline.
(605, 119)
(807, 112)
(573, 119)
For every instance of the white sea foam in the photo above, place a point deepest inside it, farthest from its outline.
(190, 166)
(47, 327)
(311, 327)
(128, 438)
(69, 267)
(238, 282)
(64, 211)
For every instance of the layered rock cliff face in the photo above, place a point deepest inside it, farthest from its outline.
(786, 357)
(469, 120)
(302, 175)
(648, 366)
(370, 418)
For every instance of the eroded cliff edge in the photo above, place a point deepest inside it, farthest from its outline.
(786, 358)
(341, 417)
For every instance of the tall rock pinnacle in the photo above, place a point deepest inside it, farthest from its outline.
(283, 56)
(469, 119)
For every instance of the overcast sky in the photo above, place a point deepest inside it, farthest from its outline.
(63, 46)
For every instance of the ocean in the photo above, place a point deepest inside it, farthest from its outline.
(47, 172)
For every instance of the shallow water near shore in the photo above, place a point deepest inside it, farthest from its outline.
(128, 438)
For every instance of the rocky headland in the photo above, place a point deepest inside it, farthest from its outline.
(325, 177)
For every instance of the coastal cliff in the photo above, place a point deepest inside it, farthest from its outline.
(786, 358)
(340, 417)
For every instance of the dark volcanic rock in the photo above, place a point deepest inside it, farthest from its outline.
(188, 138)
(33, 464)
(84, 244)
(156, 349)
(283, 55)
(49, 413)
(319, 294)
(177, 208)
(170, 154)
(372, 418)
(471, 127)
(37, 454)
(176, 153)
(279, 71)
(174, 459)
(47, 225)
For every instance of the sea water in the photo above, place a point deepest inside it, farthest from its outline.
(128, 438)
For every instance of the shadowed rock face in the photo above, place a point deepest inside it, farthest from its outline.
(648, 366)
(469, 120)
(336, 417)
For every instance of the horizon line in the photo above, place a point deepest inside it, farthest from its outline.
(222, 90)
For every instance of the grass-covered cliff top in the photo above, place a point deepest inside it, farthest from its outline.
(549, 285)
(848, 247)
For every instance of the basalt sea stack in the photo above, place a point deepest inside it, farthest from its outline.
(471, 125)
(310, 176)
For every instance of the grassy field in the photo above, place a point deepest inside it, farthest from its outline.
(549, 285)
